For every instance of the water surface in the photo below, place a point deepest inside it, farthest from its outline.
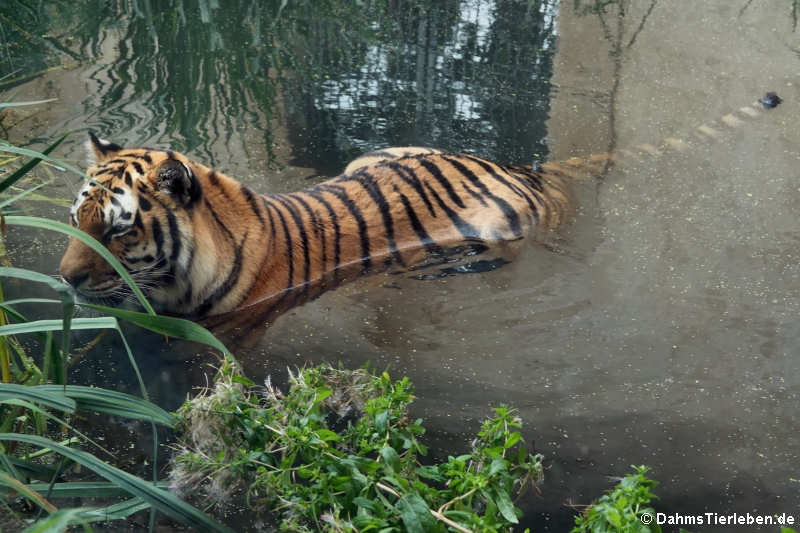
(660, 328)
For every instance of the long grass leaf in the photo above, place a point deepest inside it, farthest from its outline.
(33, 102)
(163, 501)
(21, 195)
(85, 489)
(38, 155)
(31, 407)
(101, 250)
(56, 522)
(118, 511)
(24, 169)
(112, 402)
(172, 326)
(26, 491)
(51, 398)
(101, 322)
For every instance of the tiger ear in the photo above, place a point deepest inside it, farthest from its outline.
(98, 150)
(177, 180)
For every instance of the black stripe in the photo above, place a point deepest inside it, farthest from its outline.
(114, 201)
(145, 157)
(337, 235)
(419, 229)
(146, 258)
(474, 194)
(465, 228)
(369, 184)
(128, 179)
(288, 242)
(488, 168)
(144, 204)
(269, 215)
(341, 194)
(301, 227)
(158, 235)
(319, 229)
(137, 220)
(410, 177)
(222, 226)
(511, 215)
(137, 167)
(248, 195)
(436, 172)
(213, 178)
(174, 235)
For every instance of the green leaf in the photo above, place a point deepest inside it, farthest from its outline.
(83, 489)
(112, 402)
(23, 489)
(391, 458)
(504, 505)
(32, 102)
(415, 514)
(498, 465)
(327, 435)
(161, 500)
(382, 421)
(53, 398)
(512, 439)
(179, 328)
(37, 326)
(37, 155)
(117, 511)
(24, 169)
(56, 522)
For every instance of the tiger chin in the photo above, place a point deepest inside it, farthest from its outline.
(203, 245)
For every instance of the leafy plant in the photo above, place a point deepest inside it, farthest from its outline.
(620, 510)
(338, 452)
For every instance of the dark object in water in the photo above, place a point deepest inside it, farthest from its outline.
(770, 100)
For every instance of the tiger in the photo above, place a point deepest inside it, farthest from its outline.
(201, 244)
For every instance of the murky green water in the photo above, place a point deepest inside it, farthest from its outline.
(664, 329)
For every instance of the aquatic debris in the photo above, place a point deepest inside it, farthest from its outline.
(770, 100)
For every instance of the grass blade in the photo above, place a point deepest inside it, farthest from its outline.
(26, 491)
(172, 326)
(117, 511)
(51, 398)
(56, 522)
(38, 155)
(111, 402)
(35, 326)
(17, 104)
(84, 489)
(24, 169)
(161, 500)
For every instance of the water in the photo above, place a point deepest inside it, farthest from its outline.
(660, 329)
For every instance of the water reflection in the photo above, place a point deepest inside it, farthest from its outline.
(200, 76)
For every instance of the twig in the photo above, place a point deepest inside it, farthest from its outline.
(449, 522)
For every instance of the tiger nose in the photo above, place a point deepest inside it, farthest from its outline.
(74, 278)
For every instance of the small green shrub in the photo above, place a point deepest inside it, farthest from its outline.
(338, 452)
(620, 510)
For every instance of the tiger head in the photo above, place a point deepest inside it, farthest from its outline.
(139, 204)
